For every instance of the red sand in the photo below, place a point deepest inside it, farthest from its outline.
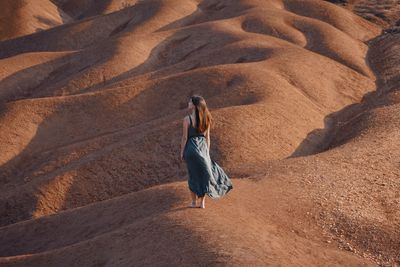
(306, 102)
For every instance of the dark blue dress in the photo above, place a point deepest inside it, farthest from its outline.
(205, 175)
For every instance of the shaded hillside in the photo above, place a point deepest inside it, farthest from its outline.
(306, 109)
(384, 12)
(87, 125)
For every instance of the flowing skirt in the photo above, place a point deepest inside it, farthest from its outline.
(205, 175)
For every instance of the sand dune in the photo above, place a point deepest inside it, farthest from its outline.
(90, 123)
(22, 17)
(79, 9)
(385, 12)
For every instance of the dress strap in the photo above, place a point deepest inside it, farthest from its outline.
(190, 120)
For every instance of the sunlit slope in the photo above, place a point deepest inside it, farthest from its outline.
(98, 112)
(22, 17)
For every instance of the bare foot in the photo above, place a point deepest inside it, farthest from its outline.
(193, 205)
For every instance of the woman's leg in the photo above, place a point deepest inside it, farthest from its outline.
(203, 202)
(193, 195)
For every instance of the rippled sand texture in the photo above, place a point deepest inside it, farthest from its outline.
(305, 99)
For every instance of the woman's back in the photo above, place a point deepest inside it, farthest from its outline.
(193, 130)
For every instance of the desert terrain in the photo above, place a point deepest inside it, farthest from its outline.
(305, 95)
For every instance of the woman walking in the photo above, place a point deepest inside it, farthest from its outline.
(205, 175)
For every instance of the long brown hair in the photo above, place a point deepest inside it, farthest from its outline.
(203, 115)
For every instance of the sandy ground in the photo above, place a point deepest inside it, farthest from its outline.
(305, 95)
(382, 12)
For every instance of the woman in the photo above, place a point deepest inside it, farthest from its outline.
(205, 175)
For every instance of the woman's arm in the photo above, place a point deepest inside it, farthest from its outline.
(208, 138)
(184, 136)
